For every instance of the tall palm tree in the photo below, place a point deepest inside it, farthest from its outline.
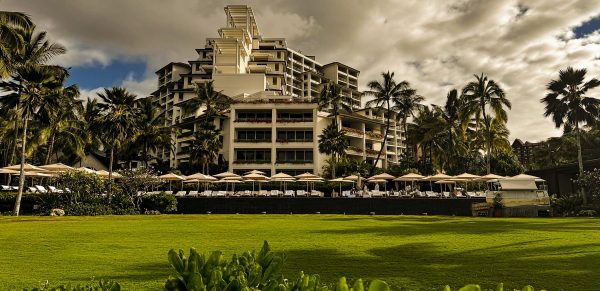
(481, 97)
(35, 50)
(385, 93)
(153, 133)
(37, 87)
(406, 105)
(331, 97)
(569, 106)
(11, 39)
(118, 121)
(204, 149)
(450, 119)
(207, 98)
(333, 142)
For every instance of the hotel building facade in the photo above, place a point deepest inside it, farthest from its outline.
(274, 122)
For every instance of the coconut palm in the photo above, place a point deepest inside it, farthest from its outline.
(205, 146)
(207, 98)
(118, 121)
(450, 119)
(37, 87)
(569, 106)
(385, 92)
(11, 39)
(406, 105)
(333, 142)
(483, 97)
(153, 134)
(331, 97)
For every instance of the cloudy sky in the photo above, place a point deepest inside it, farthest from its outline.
(436, 45)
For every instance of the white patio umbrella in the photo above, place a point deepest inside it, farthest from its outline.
(525, 177)
(489, 177)
(311, 180)
(340, 181)
(231, 180)
(58, 167)
(200, 178)
(410, 177)
(283, 178)
(26, 167)
(171, 177)
(436, 177)
(255, 172)
(225, 175)
(7, 171)
(105, 174)
(445, 182)
(384, 176)
(255, 177)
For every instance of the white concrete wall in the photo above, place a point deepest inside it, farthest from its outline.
(235, 84)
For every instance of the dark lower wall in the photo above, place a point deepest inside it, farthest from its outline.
(459, 207)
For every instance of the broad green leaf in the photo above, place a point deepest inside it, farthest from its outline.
(378, 285)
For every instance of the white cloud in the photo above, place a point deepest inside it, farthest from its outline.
(434, 44)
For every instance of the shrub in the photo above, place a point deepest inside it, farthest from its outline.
(136, 180)
(589, 182)
(84, 187)
(161, 202)
(566, 204)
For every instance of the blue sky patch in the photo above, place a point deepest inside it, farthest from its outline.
(587, 27)
(97, 75)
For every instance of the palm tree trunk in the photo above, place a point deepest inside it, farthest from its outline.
(22, 169)
(405, 126)
(333, 166)
(110, 170)
(488, 135)
(580, 159)
(387, 128)
(50, 148)
(13, 152)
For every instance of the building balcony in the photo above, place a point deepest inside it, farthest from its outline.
(293, 120)
(371, 152)
(252, 141)
(373, 135)
(293, 163)
(353, 132)
(355, 151)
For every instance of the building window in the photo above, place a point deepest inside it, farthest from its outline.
(253, 136)
(251, 155)
(276, 67)
(294, 136)
(180, 96)
(294, 156)
(294, 116)
(254, 116)
(274, 81)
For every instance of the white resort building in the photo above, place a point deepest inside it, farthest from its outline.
(273, 123)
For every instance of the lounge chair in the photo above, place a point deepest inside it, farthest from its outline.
(180, 193)
(460, 195)
(41, 189)
(431, 194)
(230, 194)
(288, 193)
(300, 193)
(32, 189)
(221, 194)
(446, 194)
(6, 188)
(315, 193)
(193, 193)
(471, 194)
(274, 193)
(236, 194)
(55, 190)
(376, 193)
(263, 193)
(205, 193)
(247, 193)
(394, 194)
(346, 193)
(169, 192)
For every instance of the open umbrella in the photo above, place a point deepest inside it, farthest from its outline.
(225, 175)
(283, 178)
(384, 176)
(254, 177)
(58, 167)
(255, 172)
(105, 174)
(340, 181)
(86, 170)
(306, 176)
(171, 177)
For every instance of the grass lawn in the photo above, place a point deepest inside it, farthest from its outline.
(416, 252)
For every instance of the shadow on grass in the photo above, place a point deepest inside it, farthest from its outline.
(425, 266)
(144, 272)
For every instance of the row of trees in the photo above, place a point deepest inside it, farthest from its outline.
(47, 121)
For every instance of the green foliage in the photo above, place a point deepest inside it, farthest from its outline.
(84, 187)
(506, 163)
(136, 180)
(566, 204)
(213, 272)
(100, 286)
(161, 202)
(589, 181)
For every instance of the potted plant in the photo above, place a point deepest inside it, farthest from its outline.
(498, 206)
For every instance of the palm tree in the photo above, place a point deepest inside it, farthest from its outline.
(385, 93)
(405, 106)
(331, 97)
(153, 134)
(35, 50)
(205, 146)
(37, 86)
(11, 39)
(207, 97)
(569, 106)
(450, 119)
(481, 96)
(118, 121)
(333, 142)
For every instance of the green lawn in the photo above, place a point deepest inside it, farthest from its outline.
(417, 252)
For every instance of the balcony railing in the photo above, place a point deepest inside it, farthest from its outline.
(371, 152)
(253, 120)
(292, 120)
(352, 131)
(374, 135)
(294, 162)
(355, 149)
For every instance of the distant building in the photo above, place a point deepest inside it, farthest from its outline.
(525, 150)
(274, 122)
